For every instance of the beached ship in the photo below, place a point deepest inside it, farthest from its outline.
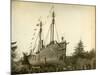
(52, 53)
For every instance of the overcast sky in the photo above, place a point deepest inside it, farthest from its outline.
(74, 22)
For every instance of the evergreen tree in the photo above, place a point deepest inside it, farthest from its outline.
(92, 54)
(79, 50)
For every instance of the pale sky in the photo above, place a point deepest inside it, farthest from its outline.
(74, 22)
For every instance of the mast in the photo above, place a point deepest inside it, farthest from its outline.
(52, 28)
(40, 36)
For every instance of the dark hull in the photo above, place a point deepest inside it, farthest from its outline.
(51, 54)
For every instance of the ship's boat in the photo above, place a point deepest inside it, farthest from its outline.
(52, 53)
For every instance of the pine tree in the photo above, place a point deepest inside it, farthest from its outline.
(92, 54)
(79, 50)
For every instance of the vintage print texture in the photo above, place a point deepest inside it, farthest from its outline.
(51, 37)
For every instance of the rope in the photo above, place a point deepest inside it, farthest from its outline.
(47, 34)
(57, 33)
(35, 42)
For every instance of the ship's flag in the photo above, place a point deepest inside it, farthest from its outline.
(35, 29)
(33, 34)
(37, 25)
(32, 38)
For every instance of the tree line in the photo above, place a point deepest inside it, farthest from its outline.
(79, 60)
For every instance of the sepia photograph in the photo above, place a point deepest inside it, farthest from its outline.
(52, 37)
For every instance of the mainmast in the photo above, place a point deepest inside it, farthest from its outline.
(52, 28)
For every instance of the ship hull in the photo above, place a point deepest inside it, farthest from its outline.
(51, 54)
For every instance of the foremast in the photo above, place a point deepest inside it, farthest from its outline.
(40, 37)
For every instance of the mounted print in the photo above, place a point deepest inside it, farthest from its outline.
(52, 37)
